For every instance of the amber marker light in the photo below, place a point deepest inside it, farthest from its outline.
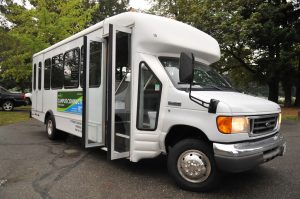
(280, 119)
(224, 124)
(228, 125)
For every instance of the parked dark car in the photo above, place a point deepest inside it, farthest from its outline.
(9, 100)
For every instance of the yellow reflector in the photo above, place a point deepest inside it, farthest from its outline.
(280, 118)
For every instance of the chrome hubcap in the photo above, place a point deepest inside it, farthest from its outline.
(194, 166)
(7, 106)
(49, 127)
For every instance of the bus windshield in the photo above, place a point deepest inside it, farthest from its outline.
(205, 77)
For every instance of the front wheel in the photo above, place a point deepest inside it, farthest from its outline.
(192, 165)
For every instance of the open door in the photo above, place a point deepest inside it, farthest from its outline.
(118, 111)
(93, 131)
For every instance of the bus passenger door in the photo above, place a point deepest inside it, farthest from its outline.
(93, 114)
(39, 87)
(118, 92)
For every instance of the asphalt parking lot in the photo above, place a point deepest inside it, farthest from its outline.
(31, 166)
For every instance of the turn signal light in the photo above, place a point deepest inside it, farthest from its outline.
(224, 124)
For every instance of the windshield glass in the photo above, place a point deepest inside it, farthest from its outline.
(205, 77)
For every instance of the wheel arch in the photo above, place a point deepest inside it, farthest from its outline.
(48, 113)
(180, 132)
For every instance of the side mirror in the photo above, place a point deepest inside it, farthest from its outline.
(186, 68)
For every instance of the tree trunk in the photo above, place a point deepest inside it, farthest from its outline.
(273, 90)
(297, 102)
(287, 87)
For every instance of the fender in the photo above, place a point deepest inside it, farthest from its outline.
(48, 113)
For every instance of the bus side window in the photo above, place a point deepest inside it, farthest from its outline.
(57, 72)
(47, 74)
(40, 76)
(71, 68)
(34, 76)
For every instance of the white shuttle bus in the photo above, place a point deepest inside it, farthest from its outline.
(138, 85)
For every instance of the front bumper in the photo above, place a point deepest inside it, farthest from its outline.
(243, 156)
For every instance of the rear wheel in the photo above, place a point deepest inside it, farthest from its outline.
(8, 106)
(51, 128)
(192, 165)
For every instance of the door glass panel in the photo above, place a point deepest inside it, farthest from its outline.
(149, 98)
(95, 63)
(94, 112)
(122, 92)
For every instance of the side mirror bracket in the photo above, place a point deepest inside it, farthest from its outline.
(213, 105)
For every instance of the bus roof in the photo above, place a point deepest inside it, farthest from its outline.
(157, 35)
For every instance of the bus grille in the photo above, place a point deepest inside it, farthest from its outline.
(263, 124)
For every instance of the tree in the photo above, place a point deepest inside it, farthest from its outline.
(108, 8)
(35, 29)
(255, 35)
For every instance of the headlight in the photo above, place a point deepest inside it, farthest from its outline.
(228, 125)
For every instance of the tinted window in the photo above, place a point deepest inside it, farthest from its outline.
(34, 76)
(71, 68)
(47, 73)
(57, 72)
(95, 64)
(149, 99)
(81, 66)
(40, 76)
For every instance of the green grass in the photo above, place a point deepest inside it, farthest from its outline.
(290, 117)
(19, 114)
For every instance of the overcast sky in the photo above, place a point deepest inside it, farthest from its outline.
(139, 4)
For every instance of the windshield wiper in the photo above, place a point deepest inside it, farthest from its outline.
(206, 87)
(215, 87)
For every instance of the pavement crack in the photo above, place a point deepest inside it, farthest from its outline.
(45, 182)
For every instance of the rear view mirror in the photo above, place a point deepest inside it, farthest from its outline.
(186, 68)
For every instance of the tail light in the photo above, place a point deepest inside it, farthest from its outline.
(23, 96)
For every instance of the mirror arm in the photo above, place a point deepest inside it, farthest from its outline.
(192, 98)
(211, 106)
(197, 100)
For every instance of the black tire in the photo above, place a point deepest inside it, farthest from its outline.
(8, 105)
(196, 156)
(51, 130)
(27, 101)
